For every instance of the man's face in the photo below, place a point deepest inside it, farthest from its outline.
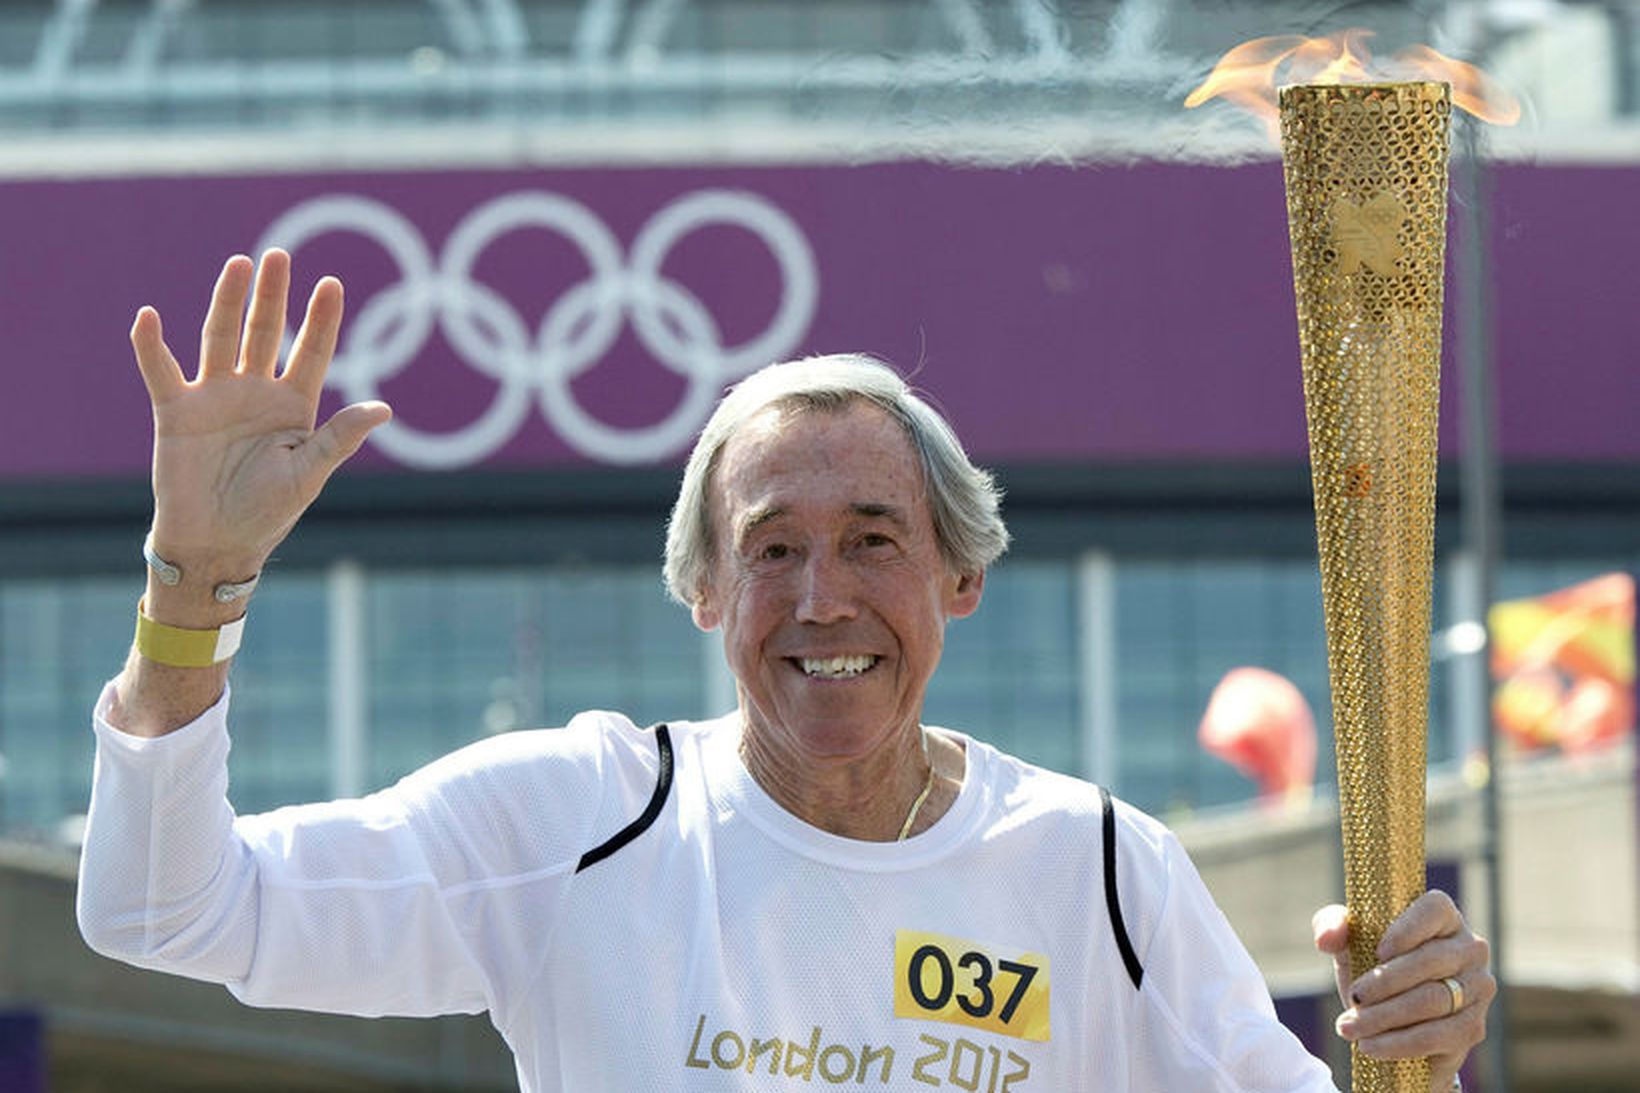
(828, 579)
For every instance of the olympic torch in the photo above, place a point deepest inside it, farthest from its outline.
(1365, 165)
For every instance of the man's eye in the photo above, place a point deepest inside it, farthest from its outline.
(874, 539)
(773, 552)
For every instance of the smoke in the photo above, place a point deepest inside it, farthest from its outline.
(1075, 82)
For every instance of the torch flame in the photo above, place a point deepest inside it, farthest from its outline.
(1248, 74)
(1337, 58)
(1472, 89)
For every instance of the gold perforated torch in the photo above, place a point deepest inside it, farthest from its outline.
(1365, 164)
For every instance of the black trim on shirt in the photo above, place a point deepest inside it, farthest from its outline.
(1113, 902)
(663, 786)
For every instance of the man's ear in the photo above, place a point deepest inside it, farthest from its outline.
(704, 611)
(964, 598)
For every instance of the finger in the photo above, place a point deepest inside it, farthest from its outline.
(1330, 926)
(1448, 1041)
(342, 435)
(315, 342)
(1449, 1038)
(1431, 915)
(1445, 1042)
(1422, 1004)
(265, 325)
(219, 339)
(1430, 962)
(161, 373)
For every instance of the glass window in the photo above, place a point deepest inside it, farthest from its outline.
(281, 687)
(60, 640)
(1009, 672)
(454, 655)
(457, 656)
(1180, 626)
(1518, 579)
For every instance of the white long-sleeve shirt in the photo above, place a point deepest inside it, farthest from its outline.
(726, 946)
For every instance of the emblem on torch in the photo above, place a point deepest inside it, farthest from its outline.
(1368, 235)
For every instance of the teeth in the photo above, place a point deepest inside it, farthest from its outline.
(836, 667)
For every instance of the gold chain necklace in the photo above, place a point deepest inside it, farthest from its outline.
(928, 787)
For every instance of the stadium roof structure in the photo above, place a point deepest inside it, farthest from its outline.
(614, 79)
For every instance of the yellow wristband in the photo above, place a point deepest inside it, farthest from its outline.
(180, 648)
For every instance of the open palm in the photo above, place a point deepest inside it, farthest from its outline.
(236, 456)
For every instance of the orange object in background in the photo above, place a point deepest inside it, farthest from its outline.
(1564, 662)
(1258, 722)
(1526, 707)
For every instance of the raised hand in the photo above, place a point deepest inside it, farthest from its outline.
(236, 456)
(1404, 1008)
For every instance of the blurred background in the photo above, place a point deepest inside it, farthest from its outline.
(565, 226)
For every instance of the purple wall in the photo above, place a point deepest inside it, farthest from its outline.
(1105, 313)
(22, 1052)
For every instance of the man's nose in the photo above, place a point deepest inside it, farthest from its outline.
(827, 592)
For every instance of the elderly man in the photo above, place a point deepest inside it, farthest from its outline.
(817, 885)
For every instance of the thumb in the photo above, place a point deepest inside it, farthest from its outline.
(1331, 928)
(342, 435)
(1332, 937)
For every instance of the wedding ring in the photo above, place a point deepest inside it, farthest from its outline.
(1455, 989)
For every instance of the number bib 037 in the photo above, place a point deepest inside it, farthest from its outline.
(940, 978)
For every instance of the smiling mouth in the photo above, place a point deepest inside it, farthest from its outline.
(835, 667)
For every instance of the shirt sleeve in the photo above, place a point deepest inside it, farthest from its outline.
(405, 902)
(1208, 1022)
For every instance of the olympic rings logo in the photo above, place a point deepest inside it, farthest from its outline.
(392, 327)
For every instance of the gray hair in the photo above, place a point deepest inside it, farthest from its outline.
(963, 500)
